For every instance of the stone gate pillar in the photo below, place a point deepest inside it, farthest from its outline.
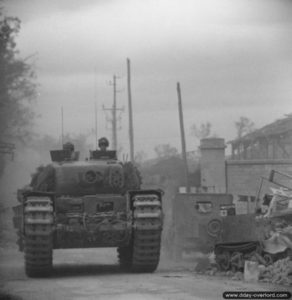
(213, 170)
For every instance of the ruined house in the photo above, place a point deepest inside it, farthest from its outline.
(273, 141)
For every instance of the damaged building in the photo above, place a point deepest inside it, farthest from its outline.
(273, 141)
(253, 156)
(230, 185)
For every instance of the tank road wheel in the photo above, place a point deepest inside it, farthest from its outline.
(38, 237)
(147, 218)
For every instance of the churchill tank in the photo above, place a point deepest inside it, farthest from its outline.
(93, 203)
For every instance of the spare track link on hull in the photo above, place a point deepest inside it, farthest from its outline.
(147, 227)
(38, 237)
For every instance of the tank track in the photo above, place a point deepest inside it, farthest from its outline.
(231, 256)
(142, 255)
(38, 236)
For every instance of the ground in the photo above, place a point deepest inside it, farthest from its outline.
(95, 274)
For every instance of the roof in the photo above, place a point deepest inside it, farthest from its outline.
(279, 127)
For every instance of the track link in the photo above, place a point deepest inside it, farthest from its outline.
(38, 236)
(142, 255)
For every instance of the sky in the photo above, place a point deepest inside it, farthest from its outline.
(232, 58)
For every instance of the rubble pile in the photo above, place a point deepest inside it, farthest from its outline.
(278, 272)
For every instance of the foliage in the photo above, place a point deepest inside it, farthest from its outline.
(201, 132)
(165, 151)
(17, 84)
(140, 157)
(17, 88)
(244, 126)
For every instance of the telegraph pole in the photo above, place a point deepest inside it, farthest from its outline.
(113, 110)
(183, 140)
(95, 105)
(131, 130)
(62, 125)
(95, 119)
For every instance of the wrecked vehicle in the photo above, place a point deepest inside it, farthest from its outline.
(85, 204)
(265, 236)
(212, 225)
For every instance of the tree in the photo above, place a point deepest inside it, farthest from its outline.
(140, 157)
(244, 126)
(165, 151)
(17, 85)
(201, 132)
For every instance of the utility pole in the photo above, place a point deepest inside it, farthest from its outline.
(183, 140)
(95, 119)
(62, 125)
(114, 112)
(114, 109)
(95, 105)
(131, 130)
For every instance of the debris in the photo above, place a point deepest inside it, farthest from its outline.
(203, 264)
(251, 270)
(278, 272)
(229, 273)
(213, 271)
(238, 276)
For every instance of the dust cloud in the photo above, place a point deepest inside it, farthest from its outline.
(16, 174)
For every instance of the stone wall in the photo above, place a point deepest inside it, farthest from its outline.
(241, 178)
(213, 179)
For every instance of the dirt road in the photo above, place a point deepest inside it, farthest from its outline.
(94, 274)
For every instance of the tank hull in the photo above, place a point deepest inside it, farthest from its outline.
(89, 204)
(92, 221)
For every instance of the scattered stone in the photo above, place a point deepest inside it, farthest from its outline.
(238, 276)
(251, 270)
(203, 264)
(213, 271)
(229, 273)
(277, 273)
